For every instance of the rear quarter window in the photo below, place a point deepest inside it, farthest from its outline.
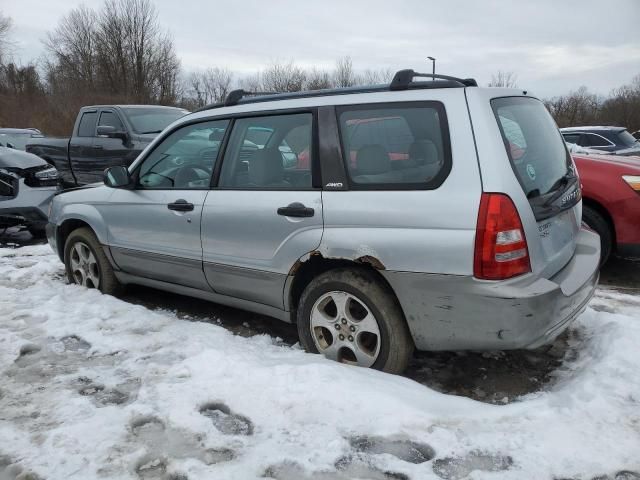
(395, 146)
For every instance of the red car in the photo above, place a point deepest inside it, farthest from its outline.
(611, 201)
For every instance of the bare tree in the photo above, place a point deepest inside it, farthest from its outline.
(283, 77)
(343, 75)
(120, 51)
(318, 80)
(72, 46)
(504, 79)
(211, 85)
(373, 77)
(5, 42)
(579, 107)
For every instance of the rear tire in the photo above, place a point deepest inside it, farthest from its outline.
(352, 317)
(597, 222)
(86, 264)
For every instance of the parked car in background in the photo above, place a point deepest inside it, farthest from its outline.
(18, 137)
(428, 214)
(27, 184)
(103, 136)
(614, 140)
(611, 201)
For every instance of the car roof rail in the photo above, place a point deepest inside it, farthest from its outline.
(403, 80)
(234, 96)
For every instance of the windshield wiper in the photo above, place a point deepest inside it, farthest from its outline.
(152, 131)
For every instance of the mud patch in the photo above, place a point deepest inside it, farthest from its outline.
(149, 468)
(405, 450)
(73, 343)
(102, 396)
(10, 470)
(346, 469)
(225, 420)
(452, 468)
(627, 475)
(217, 455)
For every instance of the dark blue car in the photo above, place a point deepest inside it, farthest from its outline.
(614, 140)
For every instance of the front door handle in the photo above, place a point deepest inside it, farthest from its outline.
(296, 209)
(180, 205)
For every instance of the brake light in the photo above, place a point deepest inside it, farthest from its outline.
(501, 247)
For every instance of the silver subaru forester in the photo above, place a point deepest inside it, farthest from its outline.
(432, 214)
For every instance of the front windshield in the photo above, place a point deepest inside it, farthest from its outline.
(154, 119)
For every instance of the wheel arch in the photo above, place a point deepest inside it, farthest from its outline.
(313, 264)
(77, 216)
(602, 210)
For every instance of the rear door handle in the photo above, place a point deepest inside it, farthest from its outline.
(296, 209)
(98, 147)
(180, 205)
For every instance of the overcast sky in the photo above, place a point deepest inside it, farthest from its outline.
(552, 45)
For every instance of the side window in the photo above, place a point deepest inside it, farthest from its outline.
(571, 137)
(394, 146)
(592, 140)
(87, 127)
(269, 152)
(112, 120)
(185, 159)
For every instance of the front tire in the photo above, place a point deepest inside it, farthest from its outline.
(599, 224)
(350, 316)
(86, 264)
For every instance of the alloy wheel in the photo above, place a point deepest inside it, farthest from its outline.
(345, 330)
(84, 266)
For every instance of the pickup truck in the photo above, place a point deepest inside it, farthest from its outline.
(103, 136)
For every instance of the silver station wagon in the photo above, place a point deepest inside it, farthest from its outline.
(429, 214)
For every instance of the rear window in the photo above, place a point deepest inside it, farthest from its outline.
(533, 143)
(152, 119)
(395, 146)
(627, 139)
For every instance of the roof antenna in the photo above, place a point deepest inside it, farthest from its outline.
(433, 62)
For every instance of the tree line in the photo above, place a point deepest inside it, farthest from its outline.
(120, 53)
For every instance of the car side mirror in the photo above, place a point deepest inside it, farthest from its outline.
(117, 177)
(106, 130)
(110, 131)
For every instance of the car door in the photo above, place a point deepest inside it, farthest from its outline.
(81, 148)
(154, 227)
(266, 211)
(111, 150)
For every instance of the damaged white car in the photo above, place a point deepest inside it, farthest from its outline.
(27, 184)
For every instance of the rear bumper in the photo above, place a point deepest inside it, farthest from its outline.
(447, 312)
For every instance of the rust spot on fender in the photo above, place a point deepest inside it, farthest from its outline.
(373, 261)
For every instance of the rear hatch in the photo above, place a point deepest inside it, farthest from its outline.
(546, 173)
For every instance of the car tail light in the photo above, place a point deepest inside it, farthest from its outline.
(633, 181)
(501, 247)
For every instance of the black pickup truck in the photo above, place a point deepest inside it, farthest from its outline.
(103, 136)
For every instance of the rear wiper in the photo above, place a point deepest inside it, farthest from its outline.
(533, 193)
(561, 182)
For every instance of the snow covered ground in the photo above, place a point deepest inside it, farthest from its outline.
(94, 387)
